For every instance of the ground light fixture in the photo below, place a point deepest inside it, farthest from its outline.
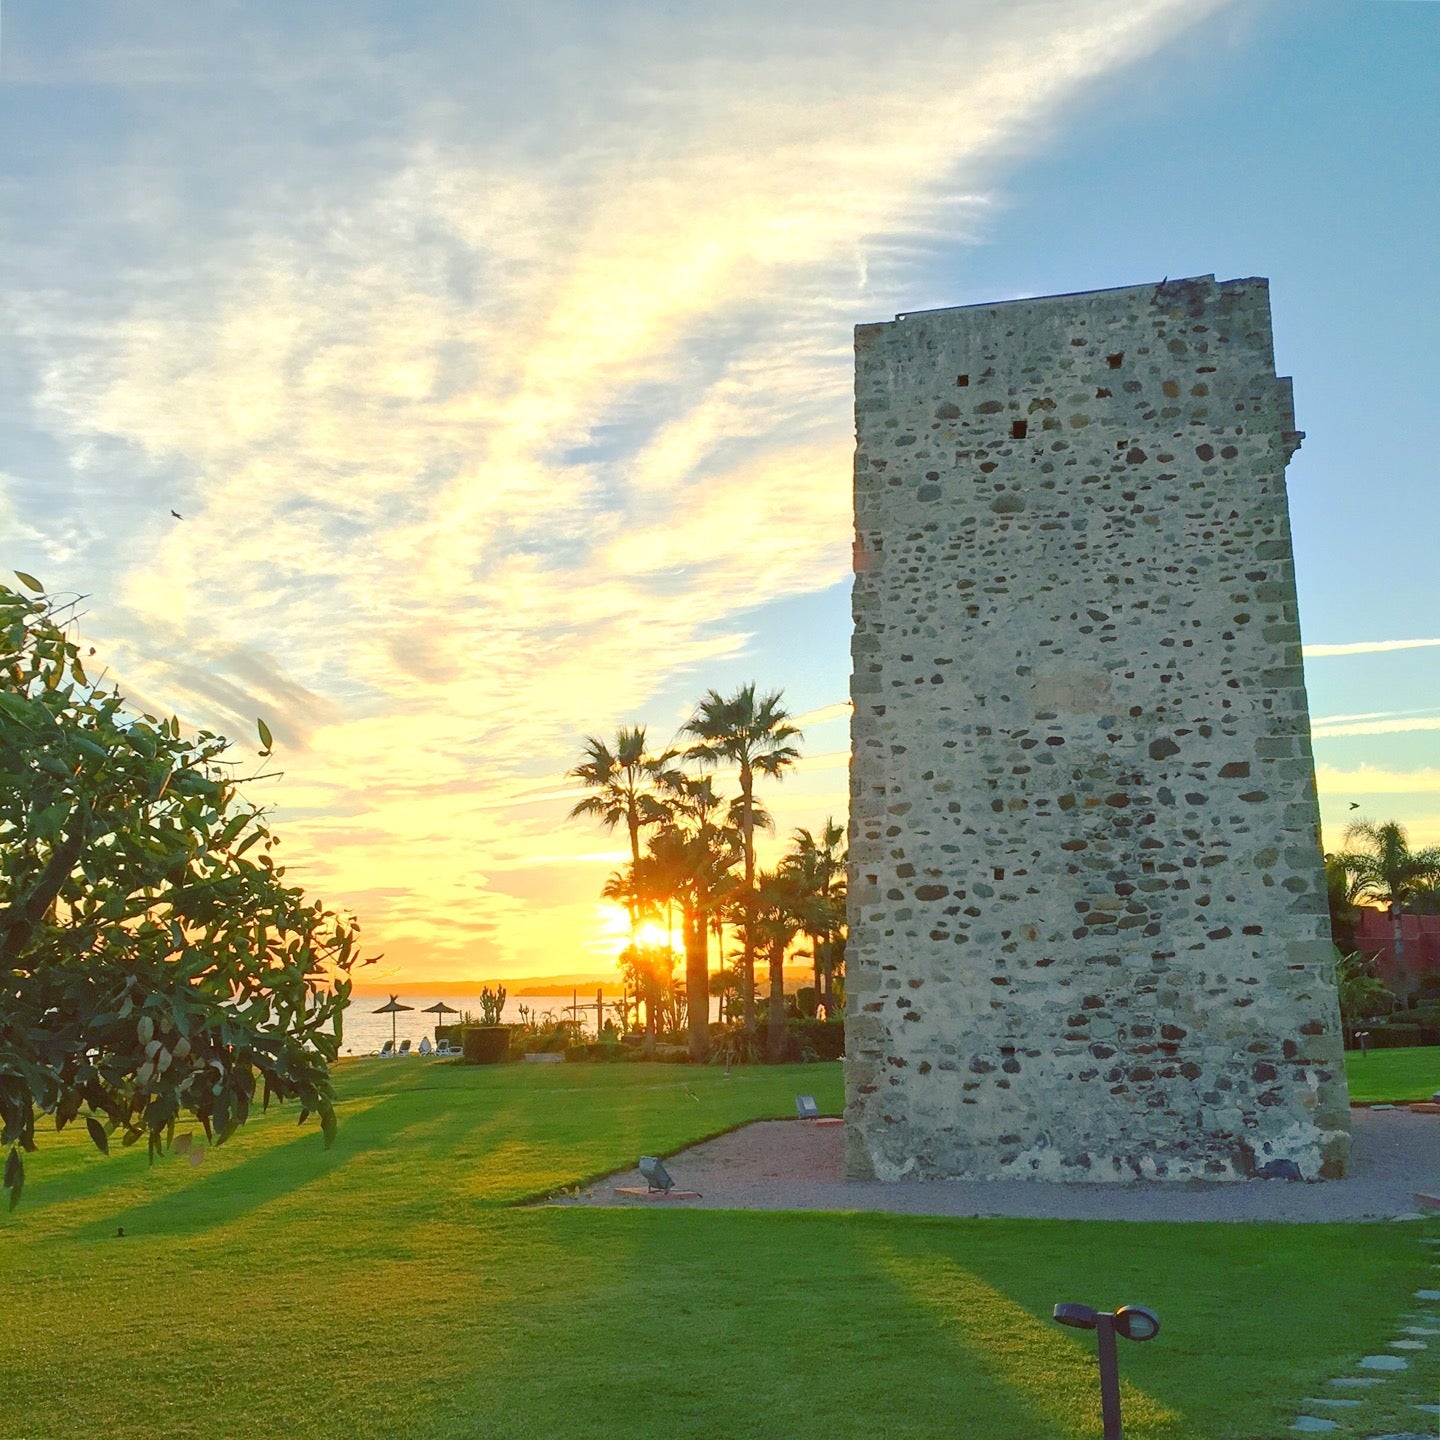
(657, 1177)
(1134, 1322)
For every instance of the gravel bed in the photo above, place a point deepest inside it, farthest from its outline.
(799, 1165)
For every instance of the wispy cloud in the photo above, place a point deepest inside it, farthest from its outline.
(1328, 730)
(1365, 647)
(494, 360)
(824, 715)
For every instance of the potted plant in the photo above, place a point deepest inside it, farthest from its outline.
(487, 1043)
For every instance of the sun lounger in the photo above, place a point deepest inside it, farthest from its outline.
(403, 1050)
(387, 1050)
(425, 1047)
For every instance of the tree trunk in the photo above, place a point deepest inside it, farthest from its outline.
(775, 1045)
(697, 986)
(719, 925)
(747, 836)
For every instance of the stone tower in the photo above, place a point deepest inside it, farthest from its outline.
(1088, 927)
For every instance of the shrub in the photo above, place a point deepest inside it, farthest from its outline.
(544, 1038)
(805, 1040)
(1393, 1035)
(819, 1039)
(730, 1045)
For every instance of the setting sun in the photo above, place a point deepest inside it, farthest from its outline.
(650, 933)
(614, 931)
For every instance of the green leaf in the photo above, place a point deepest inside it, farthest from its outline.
(14, 1177)
(327, 1126)
(29, 581)
(50, 820)
(266, 739)
(97, 1134)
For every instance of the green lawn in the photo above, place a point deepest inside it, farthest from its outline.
(390, 1288)
(1412, 1073)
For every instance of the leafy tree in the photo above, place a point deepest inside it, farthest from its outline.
(154, 962)
(753, 733)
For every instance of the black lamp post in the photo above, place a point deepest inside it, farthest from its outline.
(1134, 1322)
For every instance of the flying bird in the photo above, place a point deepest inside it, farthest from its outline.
(177, 514)
(1354, 804)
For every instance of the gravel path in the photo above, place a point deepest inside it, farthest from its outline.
(797, 1165)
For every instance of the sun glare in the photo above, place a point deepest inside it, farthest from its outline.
(613, 925)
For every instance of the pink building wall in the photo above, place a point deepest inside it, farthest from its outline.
(1420, 944)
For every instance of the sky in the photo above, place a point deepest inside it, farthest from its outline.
(498, 360)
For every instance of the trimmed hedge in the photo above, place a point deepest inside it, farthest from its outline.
(485, 1044)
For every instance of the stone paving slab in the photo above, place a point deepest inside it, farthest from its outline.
(1384, 1362)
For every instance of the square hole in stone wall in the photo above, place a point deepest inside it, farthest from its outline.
(1019, 429)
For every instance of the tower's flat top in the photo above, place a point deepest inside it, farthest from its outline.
(1152, 286)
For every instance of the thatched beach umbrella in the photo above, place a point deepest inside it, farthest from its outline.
(392, 1008)
(439, 1008)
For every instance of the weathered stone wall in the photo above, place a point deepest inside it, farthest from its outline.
(1089, 937)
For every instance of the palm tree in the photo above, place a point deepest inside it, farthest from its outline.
(818, 867)
(776, 922)
(697, 855)
(752, 733)
(1388, 870)
(624, 780)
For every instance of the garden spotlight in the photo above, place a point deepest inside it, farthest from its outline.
(657, 1177)
(1134, 1322)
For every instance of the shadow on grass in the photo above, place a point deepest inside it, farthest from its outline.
(225, 1193)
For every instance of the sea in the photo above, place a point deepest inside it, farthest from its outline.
(365, 1031)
